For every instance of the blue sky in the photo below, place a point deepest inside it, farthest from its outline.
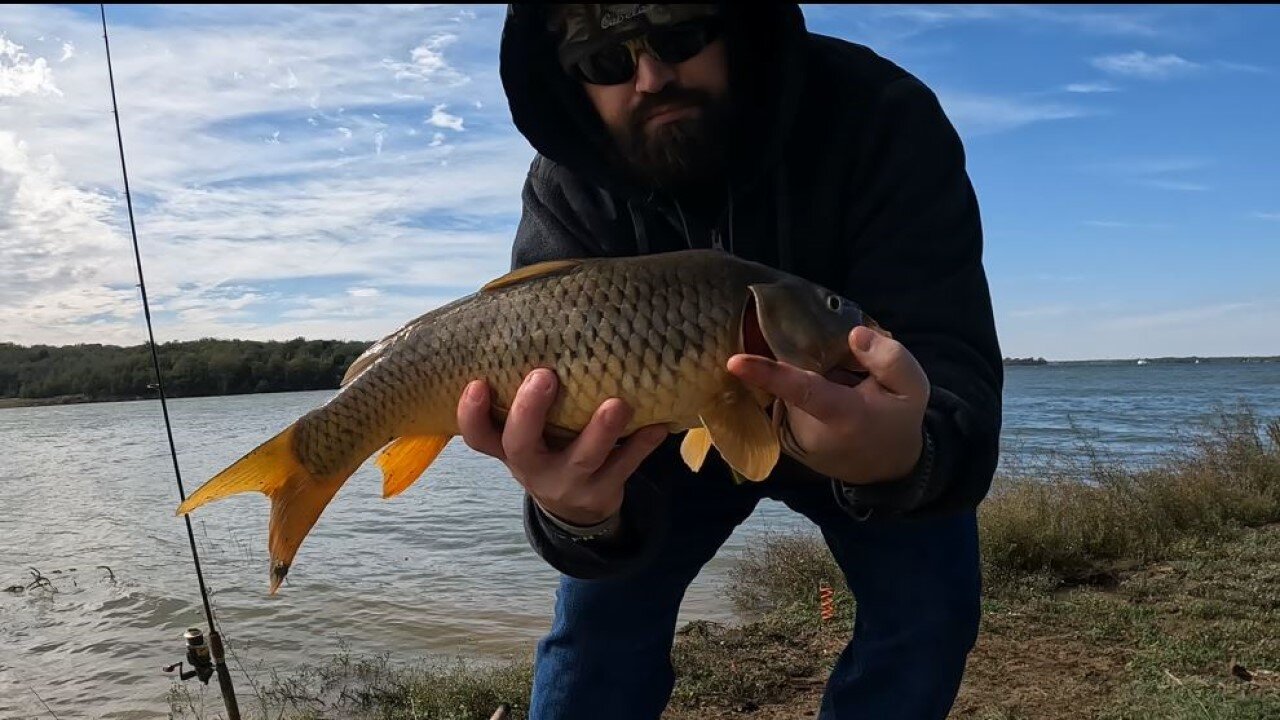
(332, 171)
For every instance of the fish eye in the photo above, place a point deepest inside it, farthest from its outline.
(834, 302)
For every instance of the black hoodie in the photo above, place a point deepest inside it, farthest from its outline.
(846, 172)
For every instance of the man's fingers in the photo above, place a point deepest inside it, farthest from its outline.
(592, 446)
(889, 362)
(477, 427)
(522, 435)
(624, 461)
(800, 389)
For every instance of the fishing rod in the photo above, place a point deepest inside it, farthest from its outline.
(205, 658)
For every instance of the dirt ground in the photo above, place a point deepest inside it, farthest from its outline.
(1197, 637)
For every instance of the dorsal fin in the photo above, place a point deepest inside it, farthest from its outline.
(529, 272)
(376, 350)
(367, 358)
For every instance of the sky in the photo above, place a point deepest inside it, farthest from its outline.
(335, 171)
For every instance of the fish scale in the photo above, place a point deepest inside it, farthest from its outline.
(655, 331)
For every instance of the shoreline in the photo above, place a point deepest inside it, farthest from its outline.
(1136, 597)
(11, 402)
(17, 402)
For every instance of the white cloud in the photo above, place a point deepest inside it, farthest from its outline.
(1140, 65)
(1157, 172)
(1267, 215)
(975, 114)
(897, 30)
(20, 75)
(1155, 165)
(1181, 185)
(1120, 224)
(1092, 22)
(1116, 330)
(1184, 317)
(1241, 67)
(269, 149)
(440, 118)
(1044, 311)
(1094, 87)
(64, 262)
(427, 62)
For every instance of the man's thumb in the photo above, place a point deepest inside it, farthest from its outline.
(889, 362)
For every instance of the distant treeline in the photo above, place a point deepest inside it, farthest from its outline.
(230, 367)
(1190, 360)
(1026, 361)
(200, 367)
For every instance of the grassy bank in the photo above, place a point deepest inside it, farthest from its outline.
(1110, 594)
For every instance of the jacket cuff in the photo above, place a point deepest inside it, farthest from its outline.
(604, 530)
(587, 554)
(894, 497)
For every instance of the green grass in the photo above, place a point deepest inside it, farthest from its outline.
(1111, 594)
(372, 687)
(1161, 643)
(1074, 530)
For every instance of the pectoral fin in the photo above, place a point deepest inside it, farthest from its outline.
(743, 434)
(404, 460)
(694, 448)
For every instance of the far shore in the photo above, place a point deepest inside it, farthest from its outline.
(16, 402)
(12, 402)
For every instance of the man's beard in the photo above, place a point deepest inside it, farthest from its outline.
(679, 154)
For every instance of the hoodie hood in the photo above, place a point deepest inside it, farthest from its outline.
(764, 45)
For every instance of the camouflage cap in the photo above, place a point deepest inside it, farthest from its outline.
(584, 28)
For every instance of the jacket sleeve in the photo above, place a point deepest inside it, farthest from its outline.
(916, 240)
(559, 219)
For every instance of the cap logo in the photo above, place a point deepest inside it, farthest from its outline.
(614, 17)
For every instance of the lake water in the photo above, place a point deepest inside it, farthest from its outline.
(442, 570)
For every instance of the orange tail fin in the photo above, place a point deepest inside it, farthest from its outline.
(297, 497)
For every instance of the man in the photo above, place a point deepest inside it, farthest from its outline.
(731, 126)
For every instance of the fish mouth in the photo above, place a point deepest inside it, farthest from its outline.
(753, 339)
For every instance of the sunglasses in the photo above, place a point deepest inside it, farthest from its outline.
(616, 63)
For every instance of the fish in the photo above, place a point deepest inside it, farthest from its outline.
(654, 330)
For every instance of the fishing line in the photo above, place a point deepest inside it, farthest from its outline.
(198, 654)
(42, 702)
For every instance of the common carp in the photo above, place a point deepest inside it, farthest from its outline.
(656, 331)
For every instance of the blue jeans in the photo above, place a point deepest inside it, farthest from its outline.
(916, 582)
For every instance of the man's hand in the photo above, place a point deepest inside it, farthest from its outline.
(582, 484)
(864, 433)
